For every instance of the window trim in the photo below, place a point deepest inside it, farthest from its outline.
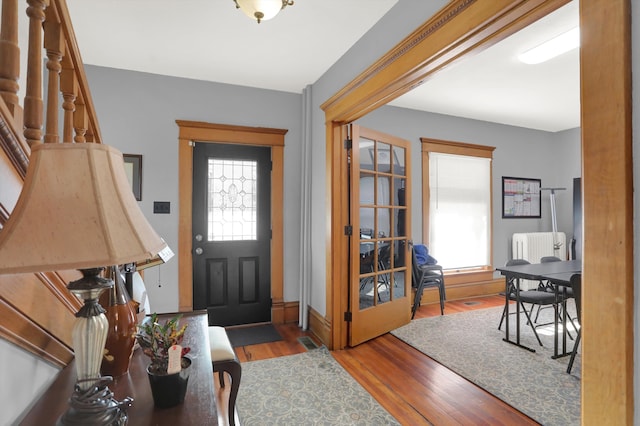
(467, 275)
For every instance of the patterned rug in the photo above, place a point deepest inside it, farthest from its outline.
(310, 388)
(470, 344)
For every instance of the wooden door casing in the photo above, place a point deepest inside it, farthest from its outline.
(463, 27)
(221, 133)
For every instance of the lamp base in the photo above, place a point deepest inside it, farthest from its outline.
(95, 406)
(92, 403)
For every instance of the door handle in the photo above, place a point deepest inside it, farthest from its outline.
(198, 237)
(199, 251)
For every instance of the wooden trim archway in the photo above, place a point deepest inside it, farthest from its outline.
(467, 26)
(220, 133)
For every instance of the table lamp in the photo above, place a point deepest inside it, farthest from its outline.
(77, 211)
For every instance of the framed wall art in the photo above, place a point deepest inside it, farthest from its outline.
(133, 170)
(521, 197)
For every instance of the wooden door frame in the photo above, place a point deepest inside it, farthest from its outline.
(190, 131)
(466, 26)
(386, 316)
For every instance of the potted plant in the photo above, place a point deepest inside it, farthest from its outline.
(169, 368)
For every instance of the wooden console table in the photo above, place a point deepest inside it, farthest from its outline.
(199, 405)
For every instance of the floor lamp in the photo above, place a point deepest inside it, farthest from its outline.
(77, 211)
(554, 222)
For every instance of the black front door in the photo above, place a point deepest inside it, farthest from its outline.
(232, 233)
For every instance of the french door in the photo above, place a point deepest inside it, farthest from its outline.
(380, 215)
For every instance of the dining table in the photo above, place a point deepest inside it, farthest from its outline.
(558, 274)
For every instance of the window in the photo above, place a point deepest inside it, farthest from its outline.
(232, 200)
(457, 204)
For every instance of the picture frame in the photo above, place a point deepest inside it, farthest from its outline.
(521, 198)
(133, 170)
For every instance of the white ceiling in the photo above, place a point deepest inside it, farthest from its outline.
(495, 86)
(211, 40)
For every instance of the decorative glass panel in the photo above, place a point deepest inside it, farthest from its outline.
(232, 200)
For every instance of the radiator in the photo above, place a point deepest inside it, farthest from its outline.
(532, 246)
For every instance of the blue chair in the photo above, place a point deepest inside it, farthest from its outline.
(426, 276)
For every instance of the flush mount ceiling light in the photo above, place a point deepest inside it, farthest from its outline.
(552, 48)
(262, 10)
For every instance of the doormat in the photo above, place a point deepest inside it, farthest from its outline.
(253, 335)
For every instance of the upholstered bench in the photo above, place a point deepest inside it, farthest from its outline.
(223, 359)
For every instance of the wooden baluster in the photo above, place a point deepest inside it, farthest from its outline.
(69, 87)
(54, 46)
(33, 99)
(91, 137)
(10, 54)
(80, 120)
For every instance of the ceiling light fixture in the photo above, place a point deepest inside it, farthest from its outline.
(262, 10)
(552, 48)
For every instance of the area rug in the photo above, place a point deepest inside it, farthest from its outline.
(253, 335)
(471, 345)
(310, 388)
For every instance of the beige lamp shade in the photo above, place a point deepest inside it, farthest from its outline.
(76, 211)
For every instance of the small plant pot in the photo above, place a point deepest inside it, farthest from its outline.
(168, 390)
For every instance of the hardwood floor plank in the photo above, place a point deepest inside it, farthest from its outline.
(415, 389)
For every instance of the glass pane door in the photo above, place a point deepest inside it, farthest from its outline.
(380, 287)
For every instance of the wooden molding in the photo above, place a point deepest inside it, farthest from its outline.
(222, 133)
(607, 170)
(456, 148)
(457, 291)
(14, 146)
(24, 333)
(320, 326)
(461, 27)
(291, 312)
(277, 311)
(607, 203)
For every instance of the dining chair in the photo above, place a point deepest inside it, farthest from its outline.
(576, 285)
(384, 264)
(426, 276)
(533, 297)
(565, 292)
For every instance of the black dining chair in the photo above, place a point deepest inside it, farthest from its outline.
(535, 298)
(426, 276)
(565, 292)
(576, 285)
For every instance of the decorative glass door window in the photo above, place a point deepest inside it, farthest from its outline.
(232, 200)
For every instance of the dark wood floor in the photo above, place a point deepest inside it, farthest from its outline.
(415, 389)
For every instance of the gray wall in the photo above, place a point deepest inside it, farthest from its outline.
(403, 18)
(145, 124)
(137, 113)
(139, 110)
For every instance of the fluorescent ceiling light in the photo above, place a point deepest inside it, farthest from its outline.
(552, 48)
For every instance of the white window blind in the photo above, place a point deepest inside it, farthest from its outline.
(460, 210)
